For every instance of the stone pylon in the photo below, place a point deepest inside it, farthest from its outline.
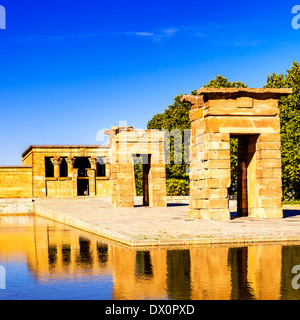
(251, 116)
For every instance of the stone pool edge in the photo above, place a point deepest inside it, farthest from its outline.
(131, 242)
(29, 206)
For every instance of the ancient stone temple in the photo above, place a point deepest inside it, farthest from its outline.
(217, 115)
(58, 171)
(55, 171)
(252, 117)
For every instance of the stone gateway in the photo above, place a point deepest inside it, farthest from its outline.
(251, 116)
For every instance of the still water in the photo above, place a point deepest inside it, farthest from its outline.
(47, 260)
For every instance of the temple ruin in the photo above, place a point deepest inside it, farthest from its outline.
(251, 116)
(217, 115)
(53, 171)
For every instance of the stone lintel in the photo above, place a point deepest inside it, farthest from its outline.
(233, 93)
(196, 101)
(15, 167)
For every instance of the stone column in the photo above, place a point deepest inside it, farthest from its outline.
(157, 166)
(92, 181)
(122, 185)
(74, 178)
(157, 186)
(269, 183)
(209, 174)
(56, 161)
(70, 163)
(93, 162)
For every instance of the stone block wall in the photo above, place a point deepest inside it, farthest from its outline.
(103, 187)
(16, 182)
(59, 187)
(268, 176)
(122, 176)
(210, 175)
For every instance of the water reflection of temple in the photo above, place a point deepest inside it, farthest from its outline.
(54, 251)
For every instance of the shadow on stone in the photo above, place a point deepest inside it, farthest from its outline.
(286, 214)
(177, 204)
(233, 215)
(290, 213)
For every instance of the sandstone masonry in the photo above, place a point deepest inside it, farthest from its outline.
(252, 116)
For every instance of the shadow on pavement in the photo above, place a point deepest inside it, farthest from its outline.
(290, 213)
(286, 214)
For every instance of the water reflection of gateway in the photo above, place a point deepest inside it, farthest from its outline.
(54, 251)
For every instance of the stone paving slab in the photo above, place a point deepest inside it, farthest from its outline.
(144, 226)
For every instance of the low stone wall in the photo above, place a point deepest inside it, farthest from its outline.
(16, 206)
(103, 187)
(138, 200)
(67, 199)
(15, 182)
(178, 199)
(59, 187)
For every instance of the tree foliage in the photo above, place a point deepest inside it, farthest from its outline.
(290, 129)
(176, 116)
(138, 175)
(221, 82)
(177, 187)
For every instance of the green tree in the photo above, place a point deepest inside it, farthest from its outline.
(176, 116)
(290, 129)
(221, 82)
(177, 187)
(138, 175)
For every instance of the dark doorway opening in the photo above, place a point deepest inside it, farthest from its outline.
(246, 174)
(141, 172)
(146, 170)
(63, 168)
(82, 163)
(49, 168)
(83, 187)
(100, 167)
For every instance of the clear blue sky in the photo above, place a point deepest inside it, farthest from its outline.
(71, 68)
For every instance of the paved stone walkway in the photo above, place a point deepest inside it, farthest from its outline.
(144, 226)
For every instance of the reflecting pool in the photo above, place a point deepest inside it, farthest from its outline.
(43, 259)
